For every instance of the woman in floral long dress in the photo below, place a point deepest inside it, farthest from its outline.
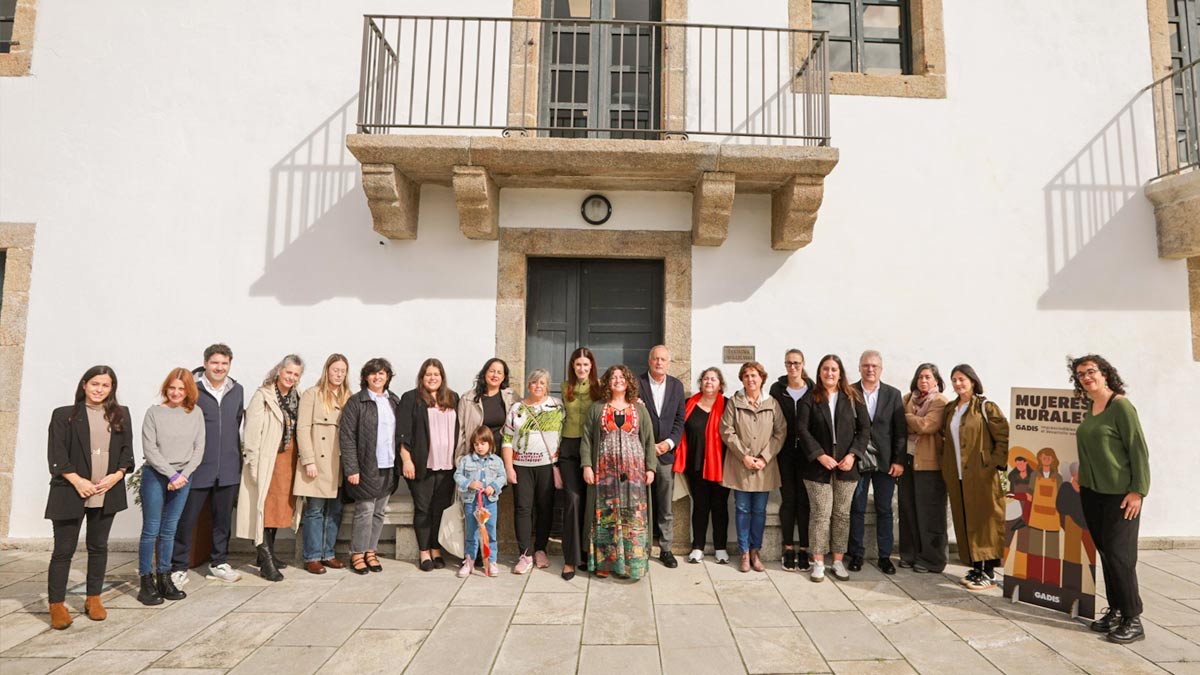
(617, 453)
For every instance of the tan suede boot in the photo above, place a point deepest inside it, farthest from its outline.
(95, 610)
(60, 616)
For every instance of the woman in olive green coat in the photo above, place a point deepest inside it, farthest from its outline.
(617, 452)
(974, 453)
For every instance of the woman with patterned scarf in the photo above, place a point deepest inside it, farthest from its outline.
(265, 499)
(922, 494)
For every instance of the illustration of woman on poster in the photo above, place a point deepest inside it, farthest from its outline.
(1016, 513)
(1045, 554)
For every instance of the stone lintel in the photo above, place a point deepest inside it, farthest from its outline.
(712, 204)
(794, 212)
(478, 202)
(1176, 202)
(394, 200)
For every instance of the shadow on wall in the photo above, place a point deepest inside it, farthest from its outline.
(320, 244)
(1101, 245)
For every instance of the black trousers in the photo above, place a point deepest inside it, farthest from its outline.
(574, 525)
(922, 501)
(793, 509)
(431, 496)
(710, 501)
(1116, 541)
(533, 507)
(223, 497)
(66, 539)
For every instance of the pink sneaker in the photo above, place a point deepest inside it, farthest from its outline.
(468, 566)
(493, 569)
(541, 560)
(524, 564)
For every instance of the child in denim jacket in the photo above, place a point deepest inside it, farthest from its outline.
(478, 471)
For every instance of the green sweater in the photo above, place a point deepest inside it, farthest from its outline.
(1113, 458)
(576, 410)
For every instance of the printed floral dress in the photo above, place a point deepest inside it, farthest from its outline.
(620, 541)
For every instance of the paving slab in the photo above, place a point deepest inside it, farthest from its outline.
(633, 659)
(499, 591)
(324, 624)
(375, 651)
(289, 660)
(29, 666)
(18, 627)
(696, 639)
(948, 657)
(1165, 583)
(227, 641)
(415, 604)
(1162, 645)
(872, 668)
(109, 662)
(21, 594)
(1086, 649)
(688, 584)
(842, 636)
(619, 612)
(960, 609)
(550, 608)
(539, 650)
(550, 580)
(287, 598)
(775, 649)
(1010, 648)
(447, 649)
(176, 624)
(803, 595)
(83, 635)
(354, 588)
(753, 604)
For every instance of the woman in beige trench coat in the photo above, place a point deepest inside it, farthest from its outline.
(974, 453)
(319, 470)
(265, 499)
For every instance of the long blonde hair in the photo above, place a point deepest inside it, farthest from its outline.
(339, 396)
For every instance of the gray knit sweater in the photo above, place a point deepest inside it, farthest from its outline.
(173, 439)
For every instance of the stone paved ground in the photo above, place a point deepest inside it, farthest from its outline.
(695, 619)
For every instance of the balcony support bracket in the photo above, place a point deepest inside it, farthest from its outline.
(794, 212)
(394, 200)
(478, 200)
(712, 204)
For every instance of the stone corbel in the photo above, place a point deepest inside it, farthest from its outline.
(1176, 202)
(394, 200)
(794, 212)
(712, 204)
(478, 200)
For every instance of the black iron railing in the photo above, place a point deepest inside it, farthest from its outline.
(1176, 99)
(594, 79)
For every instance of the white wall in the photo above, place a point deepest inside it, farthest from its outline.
(186, 170)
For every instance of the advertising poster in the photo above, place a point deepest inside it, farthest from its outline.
(1049, 556)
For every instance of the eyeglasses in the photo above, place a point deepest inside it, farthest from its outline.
(1090, 372)
(870, 366)
(793, 364)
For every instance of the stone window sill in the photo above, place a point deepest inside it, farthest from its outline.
(931, 85)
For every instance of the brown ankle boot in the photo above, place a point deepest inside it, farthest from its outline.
(95, 610)
(60, 616)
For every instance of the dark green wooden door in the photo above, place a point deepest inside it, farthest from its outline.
(613, 307)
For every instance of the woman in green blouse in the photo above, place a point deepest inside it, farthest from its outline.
(1114, 477)
(578, 394)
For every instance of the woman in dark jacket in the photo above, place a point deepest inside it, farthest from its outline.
(790, 390)
(834, 427)
(367, 437)
(427, 433)
(90, 451)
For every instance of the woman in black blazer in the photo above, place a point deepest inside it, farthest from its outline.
(90, 451)
(834, 428)
(427, 430)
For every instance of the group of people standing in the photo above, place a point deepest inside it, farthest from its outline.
(612, 445)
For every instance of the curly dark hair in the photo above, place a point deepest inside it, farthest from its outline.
(1108, 370)
(374, 366)
(631, 384)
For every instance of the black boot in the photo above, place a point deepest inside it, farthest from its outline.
(1130, 630)
(148, 593)
(1110, 620)
(269, 539)
(166, 587)
(266, 565)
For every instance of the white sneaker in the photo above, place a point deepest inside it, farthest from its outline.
(695, 556)
(722, 556)
(223, 572)
(818, 572)
(179, 578)
(839, 571)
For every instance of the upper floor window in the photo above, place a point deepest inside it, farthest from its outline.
(1183, 28)
(866, 36)
(602, 76)
(8, 17)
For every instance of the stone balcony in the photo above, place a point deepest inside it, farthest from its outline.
(477, 167)
(1176, 200)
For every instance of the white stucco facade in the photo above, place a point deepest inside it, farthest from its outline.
(186, 169)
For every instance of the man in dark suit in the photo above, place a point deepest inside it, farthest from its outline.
(663, 396)
(889, 443)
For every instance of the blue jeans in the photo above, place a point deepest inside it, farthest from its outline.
(161, 509)
(471, 529)
(885, 487)
(751, 518)
(319, 527)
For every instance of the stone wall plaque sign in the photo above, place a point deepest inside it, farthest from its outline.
(737, 353)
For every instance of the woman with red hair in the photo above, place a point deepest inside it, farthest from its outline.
(172, 445)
